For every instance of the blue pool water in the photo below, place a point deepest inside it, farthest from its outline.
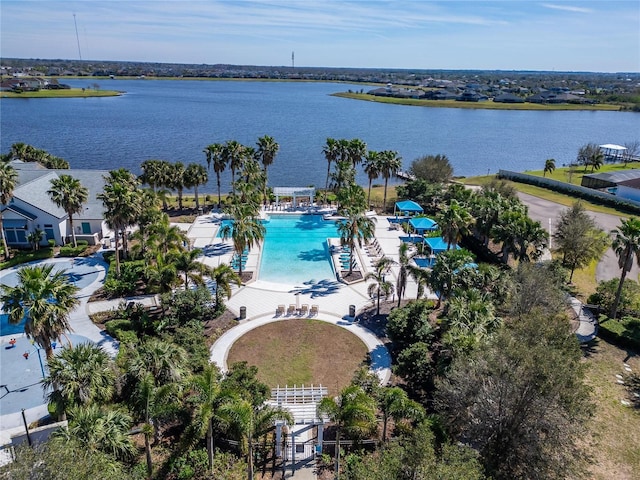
(295, 249)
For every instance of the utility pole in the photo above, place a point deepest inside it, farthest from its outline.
(293, 62)
(77, 37)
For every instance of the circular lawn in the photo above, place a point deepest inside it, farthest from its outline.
(301, 351)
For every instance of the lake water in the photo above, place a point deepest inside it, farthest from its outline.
(176, 119)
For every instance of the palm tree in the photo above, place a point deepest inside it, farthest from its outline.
(356, 227)
(403, 273)
(448, 264)
(101, 429)
(590, 155)
(395, 403)
(70, 195)
(372, 169)
(380, 286)
(455, 222)
(178, 180)
(330, 151)
(8, 181)
(194, 176)
(626, 244)
(356, 150)
(245, 230)
(234, 156)
(152, 173)
(352, 411)
(421, 277)
(223, 276)
(470, 319)
(266, 153)
(187, 263)
(390, 163)
(216, 157)
(164, 237)
(161, 273)
(121, 207)
(44, 299)
(249, 422)
(549, 166)
(79, 376)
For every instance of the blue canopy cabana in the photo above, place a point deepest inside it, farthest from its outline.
(421, 224)
(407, 207)
(438, 245)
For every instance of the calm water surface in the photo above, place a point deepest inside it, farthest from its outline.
(175, 120)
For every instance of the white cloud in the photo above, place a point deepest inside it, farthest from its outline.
(567, 8)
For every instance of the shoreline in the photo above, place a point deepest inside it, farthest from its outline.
(64, 93)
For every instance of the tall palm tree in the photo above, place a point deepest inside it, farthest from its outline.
(194, 176)
(356, 150)
(217, 159)
(355, 228)
(44, 299)
(234, 155)
(352, 411)
(70, 195)
(372, 169)
(403, 272)
(549, 166)
(626, 244)
(8, 181)
(223, 276)
(448, 264)
(390, 163)
(421, 277)
(178, 180)
(266, 153)
(120, 199)
(164, 237)
(330, 151)
(380, 286)
(245, 230)
(79, 376)
(455, 222)
(152, 173)
(395, 403)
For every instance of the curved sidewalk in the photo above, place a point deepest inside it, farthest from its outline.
(380, 358)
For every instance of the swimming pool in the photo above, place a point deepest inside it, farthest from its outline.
(295, 249)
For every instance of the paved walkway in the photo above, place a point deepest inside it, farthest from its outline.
(588, 324)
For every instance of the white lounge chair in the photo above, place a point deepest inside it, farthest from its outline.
(280, 310)
(314, 311)
(291, 310)
(304, 310)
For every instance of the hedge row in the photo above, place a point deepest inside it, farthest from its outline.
(624, 332)
(585, 193)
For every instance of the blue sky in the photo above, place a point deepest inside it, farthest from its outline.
(592, 35)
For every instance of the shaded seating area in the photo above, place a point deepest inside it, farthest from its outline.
(407, 208)
(436, 245)
(423, 224)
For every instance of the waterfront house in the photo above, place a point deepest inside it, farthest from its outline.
(31, 207)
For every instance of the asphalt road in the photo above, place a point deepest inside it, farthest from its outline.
(547, 213)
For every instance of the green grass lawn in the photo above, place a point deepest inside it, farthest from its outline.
(67, 93)
(574, 176)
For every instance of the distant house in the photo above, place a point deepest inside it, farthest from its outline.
(31, 207)
(471, 96)
(556, 97)
(508, 98)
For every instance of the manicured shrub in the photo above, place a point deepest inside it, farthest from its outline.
(624, 332)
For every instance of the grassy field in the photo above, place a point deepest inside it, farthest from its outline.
(301, 351)
(574, 176)
(613, 442)
(67, 93)
(474, 105)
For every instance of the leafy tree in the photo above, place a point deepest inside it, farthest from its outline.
(416, 365)
(70, 195)
(549, 166)
(216, 158)
(343, 177)
(352, 412)
(8, 182)
(432, 168)
(428, 195)
(78, 376)
(410, 324)
(511, 401)
(390, 163)
(60, 459)
(632, 151)
(536, 288)
(194, 176)
(578, 238)
(605, 295)
(626, 244)
(44, 299)
(380, 286)
(417, 455)
(242, 379)
(590, 155)
(186, 306)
